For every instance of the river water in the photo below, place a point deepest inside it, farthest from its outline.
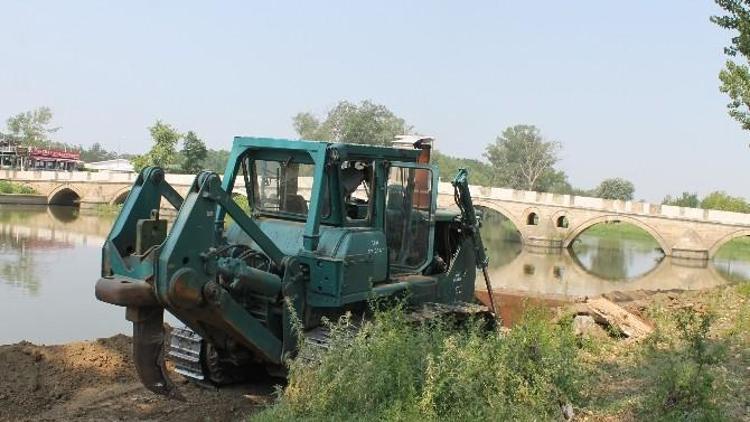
(50, 260)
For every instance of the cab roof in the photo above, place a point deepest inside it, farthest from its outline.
(343, 150)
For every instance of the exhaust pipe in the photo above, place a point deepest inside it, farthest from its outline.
(148, 350)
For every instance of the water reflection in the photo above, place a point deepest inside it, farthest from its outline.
(562, 276)
(616, 259)
(17, 262)
(49, 260)
(32, 234)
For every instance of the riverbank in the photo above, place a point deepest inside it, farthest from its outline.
(93, 381)
(694, 365)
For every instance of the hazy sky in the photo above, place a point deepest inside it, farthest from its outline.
(629, 88)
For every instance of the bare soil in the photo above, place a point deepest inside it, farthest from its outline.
(96, 381)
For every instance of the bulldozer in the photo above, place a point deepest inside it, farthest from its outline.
(327, 228)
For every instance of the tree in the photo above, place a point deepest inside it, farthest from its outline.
(554, 181)
(521, 156)
(216, 160)
(615, 188)
(193, 153)
(96, 153)
(480, 173)
(720, 200)
(735, 77)
(687, 200)
(31, 128)
(364, 123)
(163, 152)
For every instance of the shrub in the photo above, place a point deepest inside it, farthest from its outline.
(722, 201)
(7, 187)
(394, 369)
(685, 383)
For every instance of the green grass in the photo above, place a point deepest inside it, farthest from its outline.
(618, 231)
(108, 209)
(395, 370)
(738, 248)
(7, 187)
(693, 367)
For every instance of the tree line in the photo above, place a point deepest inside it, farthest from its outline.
(519, 158)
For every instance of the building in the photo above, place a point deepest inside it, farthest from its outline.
(117, 165)
(20, 157)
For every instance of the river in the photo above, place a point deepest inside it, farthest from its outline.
(50, 259)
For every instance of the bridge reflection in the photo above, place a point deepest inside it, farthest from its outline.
(561, 276)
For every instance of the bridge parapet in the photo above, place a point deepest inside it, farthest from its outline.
(608, 205)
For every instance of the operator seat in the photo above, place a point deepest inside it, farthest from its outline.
(295, 204)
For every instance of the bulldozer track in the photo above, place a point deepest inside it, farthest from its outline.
(185, 352)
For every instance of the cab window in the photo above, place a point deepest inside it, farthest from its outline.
(356, 186)
(408, 210)
(283, 187)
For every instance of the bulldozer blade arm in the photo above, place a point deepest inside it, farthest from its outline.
(148, 350)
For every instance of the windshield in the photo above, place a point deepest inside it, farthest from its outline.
(282, 187)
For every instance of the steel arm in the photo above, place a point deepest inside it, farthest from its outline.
(462, 196)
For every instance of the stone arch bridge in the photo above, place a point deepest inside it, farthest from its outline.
(554, 221)
(544, 220)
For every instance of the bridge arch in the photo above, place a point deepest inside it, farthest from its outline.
(617, 218)
(478, 202)
(120, 196)
(721, 242)
(64, 195)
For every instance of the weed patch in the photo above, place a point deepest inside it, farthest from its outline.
(394, 369)
(7, 187)
(686, 383)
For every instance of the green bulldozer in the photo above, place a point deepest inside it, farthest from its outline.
(328, 228)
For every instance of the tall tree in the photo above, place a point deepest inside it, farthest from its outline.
(96, 153)
(521, 156)
(363, 123)
(687, 199)
(163, 152)
(615, 188)
(480, 173)
(720, 200)
(31, 128)
(735, 77)
(216, 160)
(555, 181)
(193, 153)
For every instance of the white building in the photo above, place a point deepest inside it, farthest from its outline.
(118, 164)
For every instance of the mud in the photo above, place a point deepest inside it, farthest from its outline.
(96, 381)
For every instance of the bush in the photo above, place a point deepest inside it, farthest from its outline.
(7, 187)
(685, 384)
(394, 369)
(722, 201)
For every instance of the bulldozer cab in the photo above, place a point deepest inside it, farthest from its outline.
(319, 187)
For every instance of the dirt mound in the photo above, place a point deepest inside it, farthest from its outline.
(97, 381)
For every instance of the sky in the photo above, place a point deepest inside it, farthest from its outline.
(630, 89)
